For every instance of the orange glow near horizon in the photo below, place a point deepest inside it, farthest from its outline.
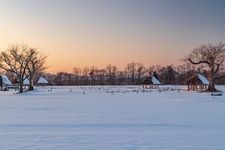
(100, 51)
(93, 33)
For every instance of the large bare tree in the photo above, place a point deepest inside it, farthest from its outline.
(212, 56)
(16, 61)
(24, 62)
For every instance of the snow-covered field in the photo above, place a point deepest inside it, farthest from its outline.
(111, 118)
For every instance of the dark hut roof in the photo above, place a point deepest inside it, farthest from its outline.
(198, 79)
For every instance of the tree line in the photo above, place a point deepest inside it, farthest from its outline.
(206, 59)
(22, 62)
(132, 74)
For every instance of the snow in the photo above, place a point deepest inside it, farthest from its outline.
(155, 81)
(5, 80)
(203, 79)
(112, 118)
(42, 80)
(26, 82)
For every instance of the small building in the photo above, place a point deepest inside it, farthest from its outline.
(198, 83)
(4, 82)
(151, 82)
(26, 82)
(42, 81)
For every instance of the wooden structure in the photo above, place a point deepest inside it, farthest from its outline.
(26, 82)
(42, 82)
(198, 83)
(151, 82)
(4, 83)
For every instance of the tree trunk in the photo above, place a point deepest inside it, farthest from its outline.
(31, 84)
(21, 87)
(212, 87)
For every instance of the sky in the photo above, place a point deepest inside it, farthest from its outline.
(79, 33)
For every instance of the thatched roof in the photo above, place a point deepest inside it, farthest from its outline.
(151, 80)
(4, 80)
(26, 82)
(198, 79)
(42, 80)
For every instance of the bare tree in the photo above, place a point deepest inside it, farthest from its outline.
(77, 74)
(141, 71)
(85, 75)
(211, 55)
(135, 72)
(100, 76)
(16, 61)
(153, 69)
(168, 75)
(111, 73)
(130, 70)
(36, 64)
(92, 74)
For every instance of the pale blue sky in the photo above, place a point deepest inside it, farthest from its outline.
(98, 32)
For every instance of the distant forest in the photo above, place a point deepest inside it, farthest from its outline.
(132, 74)
(206, 59)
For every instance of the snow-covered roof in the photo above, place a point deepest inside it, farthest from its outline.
(5, 80)
(203, 79)
(42, 80)
(26, 82)
(155, 81)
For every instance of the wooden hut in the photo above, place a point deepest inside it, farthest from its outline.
(42, 82)
(26, 82)
(151, 82)
(4, 82)
(198, 83)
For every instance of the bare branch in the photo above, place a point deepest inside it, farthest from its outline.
(199, 62)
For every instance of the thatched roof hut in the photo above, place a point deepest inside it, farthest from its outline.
(198, 82)
(151, 82)
(42, 81)
(4, 82)
(26, 82)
